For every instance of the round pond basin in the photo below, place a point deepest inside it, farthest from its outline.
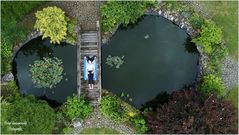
(37, 49)
(158, 57)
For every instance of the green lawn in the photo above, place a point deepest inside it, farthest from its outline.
(225, 14)
(99, 131)
(232, 96)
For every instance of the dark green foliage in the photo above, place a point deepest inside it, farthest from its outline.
(36, 116)
(110, 106)
(139, 123)
(187, 112)
(46, 73)
(75, 108)
(125, 12)
(11, 32)
(10, 90)
(212, 85)
(196, 21)
(71, 36)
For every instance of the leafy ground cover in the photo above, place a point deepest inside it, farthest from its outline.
(99, 131)
(225, 14)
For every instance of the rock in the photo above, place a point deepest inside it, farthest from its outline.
(6, 78)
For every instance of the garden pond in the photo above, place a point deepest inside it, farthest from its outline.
(158, 56)
(37, 49)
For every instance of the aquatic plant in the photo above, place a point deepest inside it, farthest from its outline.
(46, 73)
(51, 21)
(114, 61)
(126, 97)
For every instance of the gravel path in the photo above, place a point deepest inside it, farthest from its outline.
(230, 72)
(96, 120)
(86, 12)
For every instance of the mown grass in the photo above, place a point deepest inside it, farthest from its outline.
(99, 131)
(232, 96)
(225, 14)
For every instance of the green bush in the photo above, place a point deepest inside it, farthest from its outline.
(212, 84)
(35, 116)
(139, 123)
(210, 37)
(196, 21)
(46, 73)
(110, 106)
(125, 12)
(71, 36)
(51, 21)
(10, 90)
(75, 108)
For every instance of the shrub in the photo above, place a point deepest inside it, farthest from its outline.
(10, 90)
(125, 12)
(196, 21)
(75, 108)
(51, 21)
(210, 37)
(114, 61)
(36, 116)
(46, 73)
(110, 106)
(71, 34)
(139, 123)
(188, 113)
(212, 84)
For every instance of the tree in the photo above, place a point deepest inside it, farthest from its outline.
(34, 116)
(187, 112)
(210, 37)
(46, 73)
(51, 21)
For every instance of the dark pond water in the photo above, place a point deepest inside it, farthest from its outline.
(158, 57)
(35, 50)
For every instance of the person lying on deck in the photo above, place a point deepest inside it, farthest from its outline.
(90, 68)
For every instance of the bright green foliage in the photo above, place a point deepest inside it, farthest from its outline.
(46, 73)
(178, 6)
(210, 37)
(139, 123)
(125, 12)
(114, 61)
(196, 21)
(110, 106)
(52, 23)
(212, 84)
(77, 108)
(36, 116)
(10, 90)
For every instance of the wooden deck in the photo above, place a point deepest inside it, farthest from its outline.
(89, 45)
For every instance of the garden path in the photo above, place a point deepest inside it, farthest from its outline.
(96, 120)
